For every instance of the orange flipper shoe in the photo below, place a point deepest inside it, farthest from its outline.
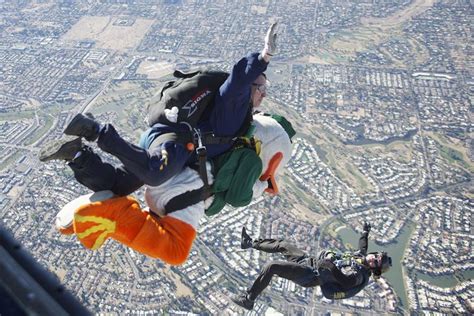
(65, 217)
(94, 223)
(121, 218)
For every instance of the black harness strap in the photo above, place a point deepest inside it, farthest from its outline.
(211, 139)
(186, 199)
(201, 153)
(236, 142)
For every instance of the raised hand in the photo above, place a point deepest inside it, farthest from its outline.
(270, 40)
(367, 227)
(270, 46)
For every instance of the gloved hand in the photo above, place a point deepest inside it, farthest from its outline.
(367, 227)
(270, 46)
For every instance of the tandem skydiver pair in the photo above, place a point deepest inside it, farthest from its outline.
(242, 169)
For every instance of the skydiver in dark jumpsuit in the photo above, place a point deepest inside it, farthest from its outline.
(340, 275)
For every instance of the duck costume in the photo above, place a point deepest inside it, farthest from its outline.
(165, 232)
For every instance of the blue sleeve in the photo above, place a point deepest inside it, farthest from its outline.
(149, 165)
(232, 102)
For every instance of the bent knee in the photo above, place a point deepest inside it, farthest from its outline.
(272, 266)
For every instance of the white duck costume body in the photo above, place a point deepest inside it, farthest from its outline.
(94, 218)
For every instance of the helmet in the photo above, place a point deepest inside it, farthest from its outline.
(384, 262)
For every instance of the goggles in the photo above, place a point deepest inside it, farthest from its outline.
(261, 87)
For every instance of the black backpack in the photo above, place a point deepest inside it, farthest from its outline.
(191, 93)
(193, 96)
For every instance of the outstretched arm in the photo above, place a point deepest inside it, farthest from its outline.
(249, 68)
(363, 240)
(232, 101)
(243, 73)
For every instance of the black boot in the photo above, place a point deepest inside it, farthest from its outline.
(246, 241)
(85, 126)
(63, 149)
(243, 301)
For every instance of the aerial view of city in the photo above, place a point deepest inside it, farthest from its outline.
(380, 93)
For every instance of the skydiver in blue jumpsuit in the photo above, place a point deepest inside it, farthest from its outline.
(154, 161)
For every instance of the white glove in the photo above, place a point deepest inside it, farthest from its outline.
(172, 114)
(270, 47)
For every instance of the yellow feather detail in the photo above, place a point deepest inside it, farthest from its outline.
(104, 224)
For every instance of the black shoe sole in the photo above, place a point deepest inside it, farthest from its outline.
(61, 149)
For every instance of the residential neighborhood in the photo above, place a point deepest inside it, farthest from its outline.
(379, 92)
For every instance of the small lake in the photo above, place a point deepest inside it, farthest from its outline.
(396, 250)
(361, 140)
(447, 281)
